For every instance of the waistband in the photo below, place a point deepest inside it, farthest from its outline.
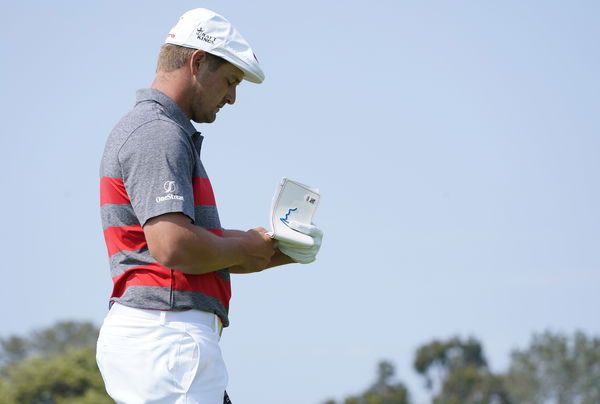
(188, 316)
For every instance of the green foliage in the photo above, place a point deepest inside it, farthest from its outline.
(437, 358)
(13, 349)
(64, 335)
(556, 369)
(64, 378)
(470, 385)
(458, 371)
(53, 366)
(57, 365)
(47, 342)
(383, 391)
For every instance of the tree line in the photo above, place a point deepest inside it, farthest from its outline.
(57, 365)
(554, 369)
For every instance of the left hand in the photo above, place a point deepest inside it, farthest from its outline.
(300, 253)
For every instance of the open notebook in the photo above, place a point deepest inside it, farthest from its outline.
(293, 201)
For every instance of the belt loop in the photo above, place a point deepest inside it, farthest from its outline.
(218, 326)
(163, 317)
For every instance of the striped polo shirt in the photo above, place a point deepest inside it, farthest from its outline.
(151, 166)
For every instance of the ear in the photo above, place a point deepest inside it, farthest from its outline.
(197, 58)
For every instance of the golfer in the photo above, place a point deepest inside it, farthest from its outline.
(170, 259)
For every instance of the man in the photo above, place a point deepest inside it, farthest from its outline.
(170, 258)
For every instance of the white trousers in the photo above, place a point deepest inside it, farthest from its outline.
(161, 357)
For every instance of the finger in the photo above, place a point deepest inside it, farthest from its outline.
(294, 246)
(299, 256)
(307, 229)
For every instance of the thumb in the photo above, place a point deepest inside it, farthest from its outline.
(308, 229)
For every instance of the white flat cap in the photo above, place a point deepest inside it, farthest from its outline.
(204, 29)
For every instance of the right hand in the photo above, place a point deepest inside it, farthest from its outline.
(258, 249)
(299, 253)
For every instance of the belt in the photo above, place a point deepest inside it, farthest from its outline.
(188, 316)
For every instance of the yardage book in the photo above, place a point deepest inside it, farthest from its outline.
(293, 201)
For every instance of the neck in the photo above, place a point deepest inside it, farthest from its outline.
(172, 85)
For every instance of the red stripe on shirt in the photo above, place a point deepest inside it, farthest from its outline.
(157, 275)
(218, 232)
(112, 190)
(210, 284)
(203, 192)
(124, 238)
(145, 275)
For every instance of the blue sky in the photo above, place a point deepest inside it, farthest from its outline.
(455, 144)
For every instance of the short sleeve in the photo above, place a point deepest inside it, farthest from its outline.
(157, 163)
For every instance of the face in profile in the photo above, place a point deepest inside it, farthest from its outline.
(213, 89)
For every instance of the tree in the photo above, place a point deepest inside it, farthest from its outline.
(47, 342)
(62, 336)
(56, 365)
(382, 391)
(13, 349)
(68, 378)
(556, 369)
(456, 372)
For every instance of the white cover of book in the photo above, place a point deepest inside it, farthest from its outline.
(293, 201)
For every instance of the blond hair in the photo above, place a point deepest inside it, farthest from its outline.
(172, 57)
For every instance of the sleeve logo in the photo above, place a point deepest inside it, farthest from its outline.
(170, 188)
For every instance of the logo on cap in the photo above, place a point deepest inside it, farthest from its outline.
(203, 36)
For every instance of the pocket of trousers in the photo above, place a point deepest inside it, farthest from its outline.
(154, 366)
(209, 372)
(133, 369)
(185, 362)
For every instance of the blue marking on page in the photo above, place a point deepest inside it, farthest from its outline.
(287, 215)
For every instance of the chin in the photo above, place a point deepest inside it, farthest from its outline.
(205, 119)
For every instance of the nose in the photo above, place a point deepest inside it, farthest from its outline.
(230, 96)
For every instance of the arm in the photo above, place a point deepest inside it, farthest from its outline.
(178, 244)
(277, 259)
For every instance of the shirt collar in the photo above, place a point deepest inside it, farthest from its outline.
(170, 107)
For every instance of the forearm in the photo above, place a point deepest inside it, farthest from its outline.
(203, 252)
(278, 259)
(178, 244)
(232, 233)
